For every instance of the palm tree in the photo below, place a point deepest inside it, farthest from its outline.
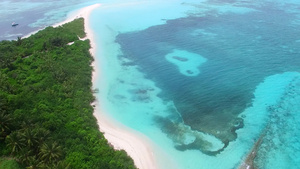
(32, 163)
(5, 125)
(27, 123)
(14, 142)
(61, 165)
(50, 153)
(29, 138)
(19, 41)
(42, 135)
(25, 157)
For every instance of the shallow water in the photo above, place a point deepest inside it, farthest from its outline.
(199, 83)
(202, 79)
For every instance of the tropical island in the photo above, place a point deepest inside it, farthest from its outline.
(46, 116)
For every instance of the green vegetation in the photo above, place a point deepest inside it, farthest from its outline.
(9, 164)
(46, 120)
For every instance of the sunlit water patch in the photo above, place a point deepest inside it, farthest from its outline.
(187, 63)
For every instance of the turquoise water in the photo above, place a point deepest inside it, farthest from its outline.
(203, 79)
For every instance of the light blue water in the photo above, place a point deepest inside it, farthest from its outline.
(202, 79)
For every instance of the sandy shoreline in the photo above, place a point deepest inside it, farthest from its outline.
(137, 146)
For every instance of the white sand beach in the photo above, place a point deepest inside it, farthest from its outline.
(138, 147)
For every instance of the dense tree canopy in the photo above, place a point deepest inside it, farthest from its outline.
(46, 120)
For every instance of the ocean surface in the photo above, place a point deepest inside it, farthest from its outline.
(205, 80)
(33, 15)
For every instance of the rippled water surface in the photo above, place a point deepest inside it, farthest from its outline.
(204, 80)
(207, 84)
